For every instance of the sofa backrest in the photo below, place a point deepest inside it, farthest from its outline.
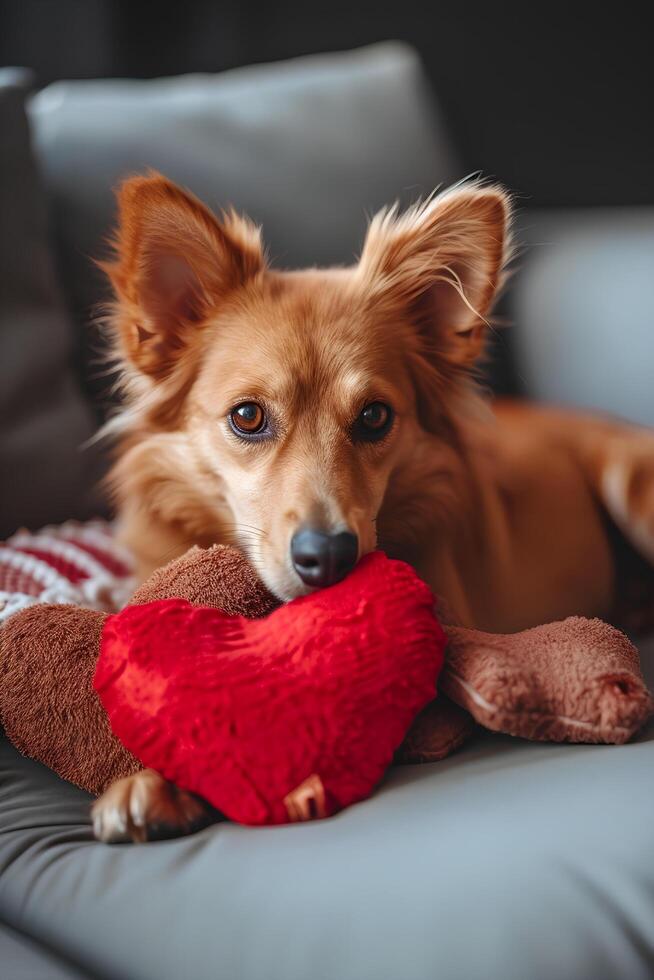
(45, 475)
(582, 310)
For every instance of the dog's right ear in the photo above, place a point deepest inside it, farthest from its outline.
(443, 262)
(174, 263)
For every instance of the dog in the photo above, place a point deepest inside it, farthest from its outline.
(312, 416)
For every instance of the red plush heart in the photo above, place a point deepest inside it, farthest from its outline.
(244, 711)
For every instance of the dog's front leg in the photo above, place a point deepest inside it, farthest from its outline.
(144, 807)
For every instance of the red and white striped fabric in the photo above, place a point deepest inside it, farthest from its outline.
(74, 563)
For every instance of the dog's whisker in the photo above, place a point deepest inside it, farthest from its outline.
(246, 529)
(230, 533)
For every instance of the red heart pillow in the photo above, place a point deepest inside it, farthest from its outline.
(244, 711)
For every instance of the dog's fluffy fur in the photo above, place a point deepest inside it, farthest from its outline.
(505, 515)
(502, 516)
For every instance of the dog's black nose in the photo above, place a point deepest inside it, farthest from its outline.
(321, 559)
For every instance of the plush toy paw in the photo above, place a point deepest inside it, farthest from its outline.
(439, 729)
(144, 807)
(574, 681)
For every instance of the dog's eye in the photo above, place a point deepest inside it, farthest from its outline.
(247, 418)
(373, 423)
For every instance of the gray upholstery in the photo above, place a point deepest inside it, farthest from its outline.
(511, 860)
(43, 418)
(24, 959)
(306, 147)
(582, 309)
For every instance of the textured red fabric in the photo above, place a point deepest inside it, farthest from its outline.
(243, 711)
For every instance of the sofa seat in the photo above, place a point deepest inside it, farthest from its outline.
(509, 860)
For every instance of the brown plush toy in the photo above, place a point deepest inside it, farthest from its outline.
(578, 680)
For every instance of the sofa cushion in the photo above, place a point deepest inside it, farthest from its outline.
(23, 959)
(307, 147)
(46, 476)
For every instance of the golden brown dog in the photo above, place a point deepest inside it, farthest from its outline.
(312, 416)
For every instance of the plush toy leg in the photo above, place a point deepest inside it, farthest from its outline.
(574, 681)
(438, 730)
(48, 707)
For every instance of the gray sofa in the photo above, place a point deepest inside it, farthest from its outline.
(510, 859)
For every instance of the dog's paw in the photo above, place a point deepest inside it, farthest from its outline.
(307, 801)
(146, 807)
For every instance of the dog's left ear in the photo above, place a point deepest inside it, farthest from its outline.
(174, 264)
(443, 262)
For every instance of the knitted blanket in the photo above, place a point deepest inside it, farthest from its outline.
(73, 563)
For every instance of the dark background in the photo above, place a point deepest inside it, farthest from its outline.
(554, 100)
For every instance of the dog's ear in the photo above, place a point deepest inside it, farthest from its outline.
(174, 262)
(442, 262)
